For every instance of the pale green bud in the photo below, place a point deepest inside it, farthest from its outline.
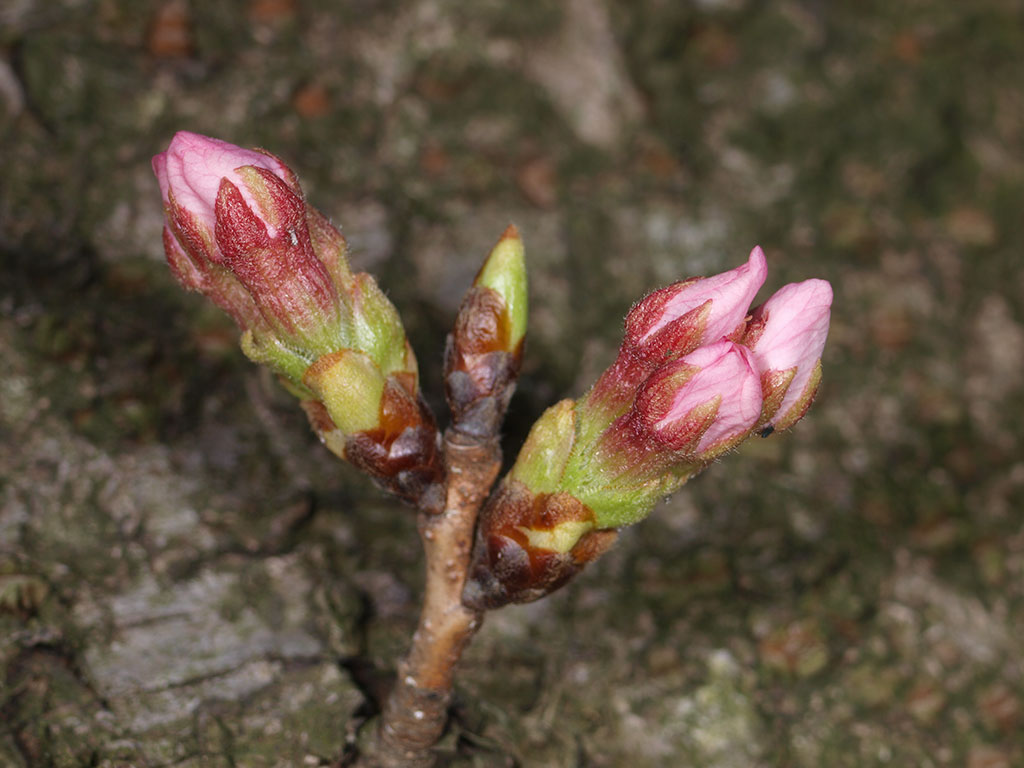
(504, 272)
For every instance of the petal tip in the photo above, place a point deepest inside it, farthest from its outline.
(757, 261)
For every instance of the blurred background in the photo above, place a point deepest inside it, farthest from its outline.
(187, 578)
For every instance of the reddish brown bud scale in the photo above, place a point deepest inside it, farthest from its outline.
(480, 372)
(399, 408)
(484, 350)
(406, 464)
(507, 566)
(481, 326)
(407, 380)
(401, 455)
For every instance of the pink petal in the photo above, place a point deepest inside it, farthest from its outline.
(730, 294)
(789, 331)
(159, 163)
(726, 372)
(193, 166)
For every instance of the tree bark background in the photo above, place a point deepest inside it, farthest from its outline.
(188, 578)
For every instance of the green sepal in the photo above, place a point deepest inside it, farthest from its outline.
(543, 457)
(377, 327)
(350, 386)
(266, 349)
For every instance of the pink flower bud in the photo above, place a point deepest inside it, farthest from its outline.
(675, 320)
(697, 311)
(192, 168)
(787, 335)
(703, 403)
(237, 224)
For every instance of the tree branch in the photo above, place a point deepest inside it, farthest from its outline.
(416, 710)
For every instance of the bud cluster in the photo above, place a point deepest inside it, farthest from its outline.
(697, 373)
(239, 231)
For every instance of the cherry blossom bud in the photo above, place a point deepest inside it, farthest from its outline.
(674, 321)
(787, 336)
(704, 403)
(239, 231)
(696, 311)
(236, 225)
(504, 272)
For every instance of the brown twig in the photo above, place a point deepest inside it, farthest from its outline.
(416, 710)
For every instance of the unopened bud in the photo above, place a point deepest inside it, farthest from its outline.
(673, 321)
(239, 231)
(504, 272)
(484, 350)
(787, 336)
(704, 403)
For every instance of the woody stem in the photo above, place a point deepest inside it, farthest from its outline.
(416, 710)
